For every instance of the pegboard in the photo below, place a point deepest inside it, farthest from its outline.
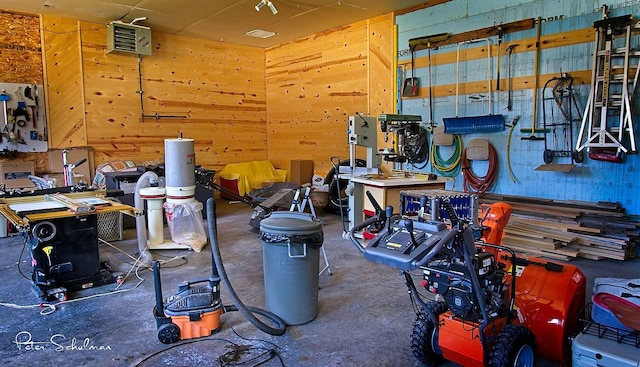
(22, 123)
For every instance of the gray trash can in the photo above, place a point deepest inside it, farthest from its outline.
(290, 245)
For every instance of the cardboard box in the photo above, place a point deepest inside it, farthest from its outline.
(15, 175)
(301, 171)
(83, 172)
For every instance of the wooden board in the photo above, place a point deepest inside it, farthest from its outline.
(521, 25)
(557, 226)
(556, 167)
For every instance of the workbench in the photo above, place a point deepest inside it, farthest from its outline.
(63, 242)
(385, 189)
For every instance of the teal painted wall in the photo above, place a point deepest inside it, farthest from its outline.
(591, 180)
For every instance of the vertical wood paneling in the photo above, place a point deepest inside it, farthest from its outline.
(209, 91)
(63, 91)
(313, 85)
(381, 83)
(218, 94)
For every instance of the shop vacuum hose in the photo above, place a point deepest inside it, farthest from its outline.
(247, 312)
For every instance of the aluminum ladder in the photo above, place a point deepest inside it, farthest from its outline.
(606, 131)
(300, 205)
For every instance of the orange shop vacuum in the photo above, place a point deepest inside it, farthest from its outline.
(194, 310)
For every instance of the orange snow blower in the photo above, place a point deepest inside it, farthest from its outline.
(496, 309)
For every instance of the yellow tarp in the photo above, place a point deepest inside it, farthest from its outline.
(253, 175)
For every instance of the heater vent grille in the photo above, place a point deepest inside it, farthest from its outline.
(128, 38)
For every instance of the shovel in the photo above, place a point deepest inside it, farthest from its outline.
(410, 87)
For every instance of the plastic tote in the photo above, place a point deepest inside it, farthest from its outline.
(291, 244)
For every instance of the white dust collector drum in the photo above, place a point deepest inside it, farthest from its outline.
(179, 163)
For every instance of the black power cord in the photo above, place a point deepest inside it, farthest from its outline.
(416, 148)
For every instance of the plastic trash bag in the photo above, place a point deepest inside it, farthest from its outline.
(185, 224)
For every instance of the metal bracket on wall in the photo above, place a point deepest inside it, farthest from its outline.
(155, 116)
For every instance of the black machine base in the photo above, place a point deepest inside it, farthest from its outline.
(55, 291)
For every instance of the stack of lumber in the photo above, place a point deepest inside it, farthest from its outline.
(567, 229)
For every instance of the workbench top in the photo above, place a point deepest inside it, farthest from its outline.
(394, 180)
(51, 209)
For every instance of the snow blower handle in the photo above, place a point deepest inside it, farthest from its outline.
(359, 227)
(449, 236)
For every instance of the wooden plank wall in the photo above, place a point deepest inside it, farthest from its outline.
(214, 93)
(315, 83)
(217, 93)
(64, 89)
(381, 71)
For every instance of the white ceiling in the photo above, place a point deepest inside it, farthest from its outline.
(220, 20)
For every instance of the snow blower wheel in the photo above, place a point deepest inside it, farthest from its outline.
(424, 340)
(514, 347)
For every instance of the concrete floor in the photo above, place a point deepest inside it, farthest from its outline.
(364, 312)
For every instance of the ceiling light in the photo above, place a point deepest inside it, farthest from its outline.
(272, 7)
(269, 4)
(261, 5)
(259, 33)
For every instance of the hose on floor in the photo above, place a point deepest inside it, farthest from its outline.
(247, 312)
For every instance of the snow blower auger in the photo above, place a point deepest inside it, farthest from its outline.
(492, 308)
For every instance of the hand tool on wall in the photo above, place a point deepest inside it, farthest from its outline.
(535, 86)
(21, 111)
(509, 79)
(500, 34)
(19, 138)
(512, 127)
(4, 97)
(45, 134)
(430, 39)
(31, 103)
(410, 88)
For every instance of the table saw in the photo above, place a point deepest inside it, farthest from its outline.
(62, 236)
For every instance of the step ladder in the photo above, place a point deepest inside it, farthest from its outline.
(606, 131)
(300, 205)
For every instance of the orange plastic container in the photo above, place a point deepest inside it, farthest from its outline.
(208, 322)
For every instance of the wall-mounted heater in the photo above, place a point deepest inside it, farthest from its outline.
(129, 38)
